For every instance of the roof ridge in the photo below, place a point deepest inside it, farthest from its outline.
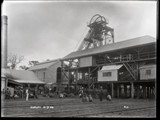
(129, 42)
(135, 38)
(47, 61)
(118, 42)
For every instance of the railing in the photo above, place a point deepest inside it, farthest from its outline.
(128, 57)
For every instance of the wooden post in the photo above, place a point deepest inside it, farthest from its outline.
(88, 77)
(137, 76)
(59, 83)
(61, 72)
(132, 90)
(120, 58)
(69, 75)
(6, 84)
(146, 92)
(149, 91)
(117, 90)
(112, 90)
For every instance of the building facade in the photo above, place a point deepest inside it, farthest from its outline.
(48, 72)
(132, 54)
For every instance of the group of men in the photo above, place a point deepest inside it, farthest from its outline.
(19, 93)
(88, 97)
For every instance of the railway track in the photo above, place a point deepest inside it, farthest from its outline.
(115, 111)
(78, 112)
(79, 109)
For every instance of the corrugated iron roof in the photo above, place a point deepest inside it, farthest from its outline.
(21, 76)
(44, 65)
(29, 81)
(115, 46)
(111, 67)
(147, 66)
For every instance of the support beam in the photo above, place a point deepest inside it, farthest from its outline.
(112, 90)
(132, 90)
(62, 67)
(88, 77)
(69, 75)
(117, 91)
(137, 76)
(76, 75)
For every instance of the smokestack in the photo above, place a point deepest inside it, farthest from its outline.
(4, 24)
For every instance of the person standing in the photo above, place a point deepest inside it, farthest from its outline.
(35, 93)
(27, 94)
(101, 94)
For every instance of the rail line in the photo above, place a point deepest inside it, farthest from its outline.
(10, 104)
(115, 111)
(96, 109)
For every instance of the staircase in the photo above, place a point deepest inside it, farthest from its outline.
(130, 70)
(91, 84)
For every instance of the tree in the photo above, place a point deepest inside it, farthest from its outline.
(33, 63)
(14, 60)
(48, 60)
(24, 67)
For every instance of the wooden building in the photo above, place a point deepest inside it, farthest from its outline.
(110, 73)
(48, 72)
(83, 65)
(148, 72)
(20, 77)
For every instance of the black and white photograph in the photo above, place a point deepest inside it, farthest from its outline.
(78, 59)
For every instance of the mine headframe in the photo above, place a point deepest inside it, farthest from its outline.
(99, 33)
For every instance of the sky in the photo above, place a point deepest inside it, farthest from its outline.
(41, 30)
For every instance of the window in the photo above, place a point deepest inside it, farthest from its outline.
(107, 74)
(148, 72)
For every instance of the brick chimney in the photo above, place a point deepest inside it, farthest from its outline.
(4, 24)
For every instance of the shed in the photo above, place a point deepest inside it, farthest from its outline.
(109, 73)
(147, 72)
(21, 77)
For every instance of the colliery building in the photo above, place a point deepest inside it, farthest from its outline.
(127, 69)
(124, 65)
(48, 72)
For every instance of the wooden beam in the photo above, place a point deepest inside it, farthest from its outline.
(132, 90)
(112, 85)
(117, 90)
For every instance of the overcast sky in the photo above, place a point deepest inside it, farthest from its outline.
(51, 30)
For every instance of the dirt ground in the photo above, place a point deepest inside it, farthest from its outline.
(74, 107)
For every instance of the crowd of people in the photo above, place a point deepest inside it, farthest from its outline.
(20, 92)
(28, 92)
(87, 97)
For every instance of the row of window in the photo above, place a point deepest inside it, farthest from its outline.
(109, 74)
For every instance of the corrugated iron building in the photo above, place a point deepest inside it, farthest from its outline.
(21, 77)
(134, 53)
(48, 72)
